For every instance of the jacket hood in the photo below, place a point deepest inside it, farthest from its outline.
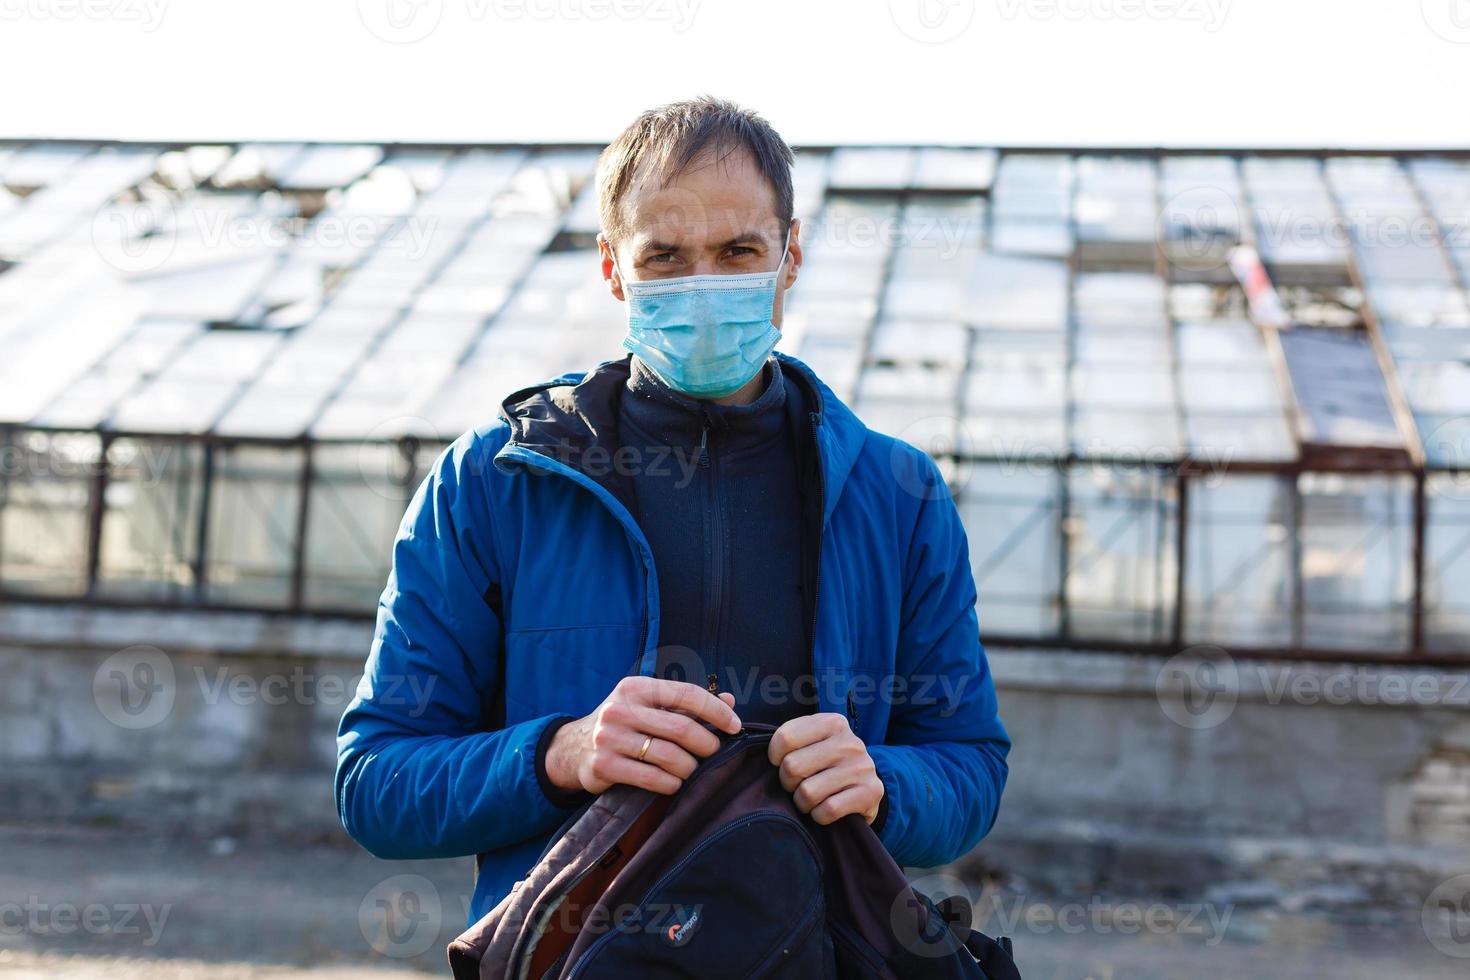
(573, 420)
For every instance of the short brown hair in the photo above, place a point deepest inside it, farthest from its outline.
(672, 136)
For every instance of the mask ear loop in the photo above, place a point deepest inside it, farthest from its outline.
(785, 253)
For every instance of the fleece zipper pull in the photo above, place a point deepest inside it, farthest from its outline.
(704, 444)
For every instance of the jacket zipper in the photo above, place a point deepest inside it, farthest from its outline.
(716, 598)
(816, 420)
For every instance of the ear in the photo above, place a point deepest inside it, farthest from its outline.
(793, 264)
(609, 268)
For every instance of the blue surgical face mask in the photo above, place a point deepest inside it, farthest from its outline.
(705, 336)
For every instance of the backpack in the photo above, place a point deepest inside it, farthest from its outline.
(725, 878)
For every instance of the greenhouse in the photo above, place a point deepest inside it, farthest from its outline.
(225, 369)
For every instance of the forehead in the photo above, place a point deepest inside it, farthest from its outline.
(720, 194)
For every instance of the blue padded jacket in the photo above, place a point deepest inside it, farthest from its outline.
(522, 590)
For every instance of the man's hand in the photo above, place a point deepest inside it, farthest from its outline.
(602, 748)
(826, 768)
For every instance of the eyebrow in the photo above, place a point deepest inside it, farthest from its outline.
(744, 238)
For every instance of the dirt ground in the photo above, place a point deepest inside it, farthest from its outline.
(81, 904)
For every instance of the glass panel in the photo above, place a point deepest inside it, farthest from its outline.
(1221, 342)
(955, 169)
(1238, 585)
(1447, 563)
(884, 167)
(1356, 565)
(1130, 435)
(918, 341)
(836, 360)
(1017, 384)
(1122, 386)
(1010, 515)
(329, 166)
(1229, 390)
(1437, 388)
(272, 410)
(1446, 440)
(919, 401)
(47, 483)
(1218, 440)
(1014, 436)
(252, 525)
(39, 165)
(1120, 561)
(151, 521)
(1010, 292)
(1033, 186)
(1025, 236)
(358, 495)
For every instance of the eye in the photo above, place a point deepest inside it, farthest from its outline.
(741, 251)
(662, 258)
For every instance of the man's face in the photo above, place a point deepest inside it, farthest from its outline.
(716, 218)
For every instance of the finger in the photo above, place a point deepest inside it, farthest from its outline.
(619, 769)
(814, 790)
(800, 732)
(679, 729)
(855, 799)
(805, 762)
(667, 755)
(728, 698)
(694, 701)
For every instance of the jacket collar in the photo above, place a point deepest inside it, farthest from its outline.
(573, 420)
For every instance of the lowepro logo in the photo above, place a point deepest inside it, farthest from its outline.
(680, 932)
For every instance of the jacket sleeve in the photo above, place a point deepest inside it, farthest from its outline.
(417, 776)
(943, 764)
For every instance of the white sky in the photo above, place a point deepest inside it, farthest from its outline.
(1085, 72)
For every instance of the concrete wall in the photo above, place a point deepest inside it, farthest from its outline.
(1126, 770)
(185, 723)
(1125, 774)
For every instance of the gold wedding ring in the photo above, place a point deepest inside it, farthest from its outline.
(644, 751)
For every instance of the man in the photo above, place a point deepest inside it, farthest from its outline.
(696, 536)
